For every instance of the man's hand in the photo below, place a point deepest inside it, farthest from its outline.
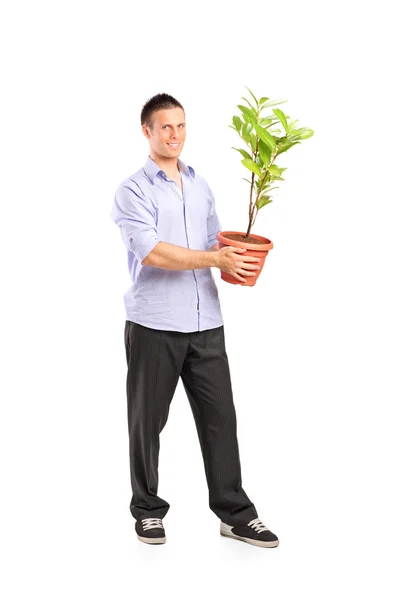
(230, 260)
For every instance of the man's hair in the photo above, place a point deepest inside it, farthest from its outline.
(157, 102)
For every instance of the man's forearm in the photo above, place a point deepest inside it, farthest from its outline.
(170, 256)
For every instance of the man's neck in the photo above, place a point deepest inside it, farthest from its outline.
(168, 165)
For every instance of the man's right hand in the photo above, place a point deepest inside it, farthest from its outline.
(230, 260)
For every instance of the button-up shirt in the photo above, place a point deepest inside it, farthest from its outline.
(150, 208)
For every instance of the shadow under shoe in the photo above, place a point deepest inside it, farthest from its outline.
(150, 531)
(255, 532)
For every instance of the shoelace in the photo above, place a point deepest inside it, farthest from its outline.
(152, 523)
(258, 525)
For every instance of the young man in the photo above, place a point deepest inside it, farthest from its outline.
(174, 327)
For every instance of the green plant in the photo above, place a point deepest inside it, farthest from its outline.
(265, 144)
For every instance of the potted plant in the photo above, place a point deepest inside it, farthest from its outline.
(265, 142)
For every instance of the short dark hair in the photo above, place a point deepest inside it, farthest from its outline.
(157, 102)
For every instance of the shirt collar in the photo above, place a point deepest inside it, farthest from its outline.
(152, 169)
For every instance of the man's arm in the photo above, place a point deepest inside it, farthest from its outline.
(170, 256)
(135, 217)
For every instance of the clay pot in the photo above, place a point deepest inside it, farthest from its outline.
(260, 250)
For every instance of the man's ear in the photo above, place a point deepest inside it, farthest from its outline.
(146, 131)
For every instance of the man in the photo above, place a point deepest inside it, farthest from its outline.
(174, 327)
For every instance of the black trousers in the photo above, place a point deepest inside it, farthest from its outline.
(156, 359)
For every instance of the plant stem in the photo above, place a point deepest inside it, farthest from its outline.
(260, 189)
(251, 209)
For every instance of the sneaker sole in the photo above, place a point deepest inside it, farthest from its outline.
(229, 534)
(147, 540)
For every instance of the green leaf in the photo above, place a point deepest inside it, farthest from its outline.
(243, 152)
(273, 103)
(250, 164)
(303, 133)
(255, 99)
(292, 123)
(267, 121)
(246, 137)
(245, 133)
(247, 180)
(245, 99)
(275, 170)
(286, 147)
(263, 99)
(253, 141)
(237, 122)
(281, 116)
(265, 136)
(265, 152)
(248, 114)
(262, 201)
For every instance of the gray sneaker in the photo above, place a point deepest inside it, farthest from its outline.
(255, 532)
(150, 531)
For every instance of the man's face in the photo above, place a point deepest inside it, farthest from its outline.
(168, 132)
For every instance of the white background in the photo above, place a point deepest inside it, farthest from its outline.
(313, 347)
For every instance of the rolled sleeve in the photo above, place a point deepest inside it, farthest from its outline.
(213, 223)
(135, 216)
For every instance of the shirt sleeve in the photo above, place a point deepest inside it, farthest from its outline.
(213, 224)
(135, 216)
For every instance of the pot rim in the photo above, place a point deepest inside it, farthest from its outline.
(267, 246)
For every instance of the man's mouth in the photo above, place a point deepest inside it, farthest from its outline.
(174, 145)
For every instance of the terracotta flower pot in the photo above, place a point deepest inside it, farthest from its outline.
(260, 250)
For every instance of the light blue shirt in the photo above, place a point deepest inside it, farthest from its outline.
(150, 208)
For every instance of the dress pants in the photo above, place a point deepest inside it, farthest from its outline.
(156, 359)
